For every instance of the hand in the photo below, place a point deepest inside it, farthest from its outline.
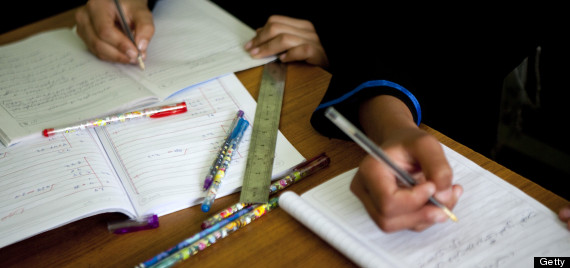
(388, 122)
(294, 39)
(394, 207)
(99, 25)
(564, 215)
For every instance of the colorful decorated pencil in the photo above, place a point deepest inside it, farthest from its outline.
(297, 173)
(236, 137)
(191, 250)
(193, 239)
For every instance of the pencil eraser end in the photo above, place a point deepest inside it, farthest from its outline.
(129, 226)
(48, 132)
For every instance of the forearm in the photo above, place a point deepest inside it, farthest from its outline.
(384, 114)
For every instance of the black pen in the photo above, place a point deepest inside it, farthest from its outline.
(128, 32)
(370, 147)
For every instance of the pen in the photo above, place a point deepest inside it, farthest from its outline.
(235, 137)
(189, 241)
(295, 174)
(207, 241)
(129, 226)
(221, 152)
(127, 30)
(154, 112)
(369, 146)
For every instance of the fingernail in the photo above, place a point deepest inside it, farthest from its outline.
(248, 45)
(143, 44)
(132, 54)
(443, 195)
(458, 192)
(440, 217)
(254, 51)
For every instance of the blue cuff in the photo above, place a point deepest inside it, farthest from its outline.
(376, 83)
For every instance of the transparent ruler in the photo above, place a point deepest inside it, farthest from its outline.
(261, 153)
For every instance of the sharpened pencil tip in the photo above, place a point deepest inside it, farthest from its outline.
(450, 214)
(141, 63)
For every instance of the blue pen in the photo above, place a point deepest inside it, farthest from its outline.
(235, 138)
(220, 157)
(193, 239)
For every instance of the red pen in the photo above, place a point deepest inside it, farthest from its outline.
(154, 112)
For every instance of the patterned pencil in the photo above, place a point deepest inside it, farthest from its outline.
(187, 252)
(297, 173)
(193, 239)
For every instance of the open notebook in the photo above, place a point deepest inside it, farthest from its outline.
(499, 225)
(137, 168)
(51, 79)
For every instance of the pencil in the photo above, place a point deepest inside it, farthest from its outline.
(370, 147)
(236, 136)
(295, 174)
(128, 32)
(191, 240)
(191, 250)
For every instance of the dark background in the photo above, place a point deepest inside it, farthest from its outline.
(19, 13)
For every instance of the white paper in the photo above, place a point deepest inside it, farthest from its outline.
(162, 163)
(51, 79)
(499, 225)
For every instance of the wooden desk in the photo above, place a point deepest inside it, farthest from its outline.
(276, 240)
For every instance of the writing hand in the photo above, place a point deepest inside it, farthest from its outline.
(394, 207)
(294, 39)
(98, 25)
(389, 123)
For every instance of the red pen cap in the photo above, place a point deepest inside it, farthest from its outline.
(48, 132)
(170, 110)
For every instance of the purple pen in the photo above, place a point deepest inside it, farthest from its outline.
(129, 226)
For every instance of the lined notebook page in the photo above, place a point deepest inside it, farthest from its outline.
(163, 162)
(50, 79)
(194, 40)
(49, 182)
(499, 226)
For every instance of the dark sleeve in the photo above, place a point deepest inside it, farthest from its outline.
(255, 13)
(346, 95)
(368, 57)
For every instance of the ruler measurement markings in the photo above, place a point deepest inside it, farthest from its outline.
(264, 135)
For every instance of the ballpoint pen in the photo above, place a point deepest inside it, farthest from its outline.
(236, 136)
(374, 150)
(154, 112)
(220, 157)
(128, 32)
(294, 175)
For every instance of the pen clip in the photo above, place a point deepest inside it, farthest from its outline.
(170, 110)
